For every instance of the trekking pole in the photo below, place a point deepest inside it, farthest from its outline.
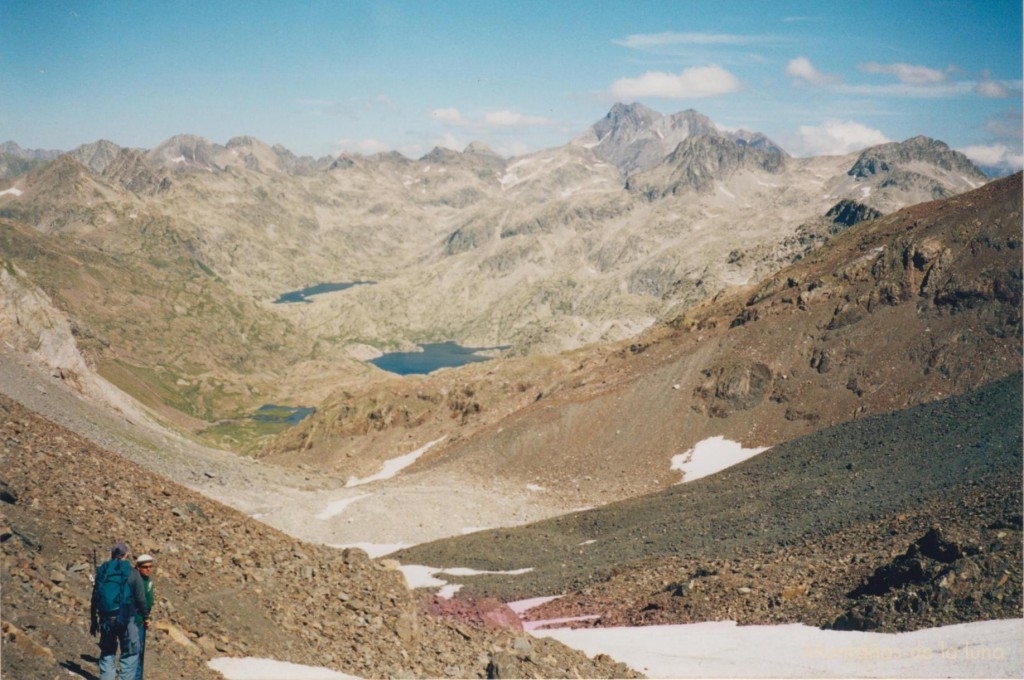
(95, 566)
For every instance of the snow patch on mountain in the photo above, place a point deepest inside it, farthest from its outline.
(422, 576)
(710, 456)
(337, 507)
(721, 649)
(252, 668)
(394, 466)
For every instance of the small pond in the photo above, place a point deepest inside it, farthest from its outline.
(302, 295)
(272, 413)
(434, 356)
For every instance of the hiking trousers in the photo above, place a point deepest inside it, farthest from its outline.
(125, 637)
(142, 651)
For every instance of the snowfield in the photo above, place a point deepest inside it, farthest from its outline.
(721, 649)
(710, 456)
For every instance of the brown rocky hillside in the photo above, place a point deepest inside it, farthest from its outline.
(226, 585)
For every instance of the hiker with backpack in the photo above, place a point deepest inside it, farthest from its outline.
(144, 565)
(117, 596)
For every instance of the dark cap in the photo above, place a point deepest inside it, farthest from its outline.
(119, 551)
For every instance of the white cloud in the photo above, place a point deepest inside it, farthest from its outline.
(493, 119)
(933, 91)
(363, 146)
(995, 156)
(906, 73)
(803, 71)
(385, 101)
(449, 116)
(449, 141)
(702, 81)
(643, 41)
(991, 89)
(1007, 125)
(836, 137)
(507, 118)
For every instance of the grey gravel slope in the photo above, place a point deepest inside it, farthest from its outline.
(802, 489)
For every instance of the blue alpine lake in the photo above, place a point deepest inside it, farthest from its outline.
(272, 413)
(434, 356)
(302, 295)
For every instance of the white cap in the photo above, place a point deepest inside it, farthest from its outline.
(142, 559)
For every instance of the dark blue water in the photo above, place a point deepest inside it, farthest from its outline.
(272, 413)
(301, 295)
(434, 356)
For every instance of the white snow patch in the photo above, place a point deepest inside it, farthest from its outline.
(394, 466)
(710, 456)
(522, 606)
(421, 576)
(337, 507)
(536, 625)
(591, 541)
(725, 191)
(721, 649)
(372, 549)
(768, 184)
(534, 487)
(252, 668)
(466, 571)
(447, 592)
(12, 191)
(179, 159)
(865, 192)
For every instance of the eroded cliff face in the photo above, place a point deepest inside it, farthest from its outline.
(30, 325)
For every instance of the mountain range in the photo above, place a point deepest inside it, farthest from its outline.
(590, 242)
(655, 283)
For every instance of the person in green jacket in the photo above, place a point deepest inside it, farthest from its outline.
(144, 564)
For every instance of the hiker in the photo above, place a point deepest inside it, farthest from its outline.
(144, 564)
(117, 596)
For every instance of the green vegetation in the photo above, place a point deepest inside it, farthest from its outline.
(242, 435)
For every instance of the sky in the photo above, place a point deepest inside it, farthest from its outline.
(366, 76)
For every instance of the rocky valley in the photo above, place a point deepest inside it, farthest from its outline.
(654, 284)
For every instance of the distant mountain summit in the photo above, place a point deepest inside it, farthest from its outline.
(185, 152)
(96, 156)
(636, 138)
(885, 158)
(698, 161)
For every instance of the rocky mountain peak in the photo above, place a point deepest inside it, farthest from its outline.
(134, 171)
(885, 158)
(440, 154)
(636, 138)
(624, 120)
(699, 161)
(245, 141)
(96, 156)
(12, 148)
(185, 152)
(480, 149)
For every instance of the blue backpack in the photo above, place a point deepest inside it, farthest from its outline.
(114, 599)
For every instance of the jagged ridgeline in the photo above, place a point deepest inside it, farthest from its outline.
(167, 261)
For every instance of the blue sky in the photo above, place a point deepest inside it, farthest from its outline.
(520, 75)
